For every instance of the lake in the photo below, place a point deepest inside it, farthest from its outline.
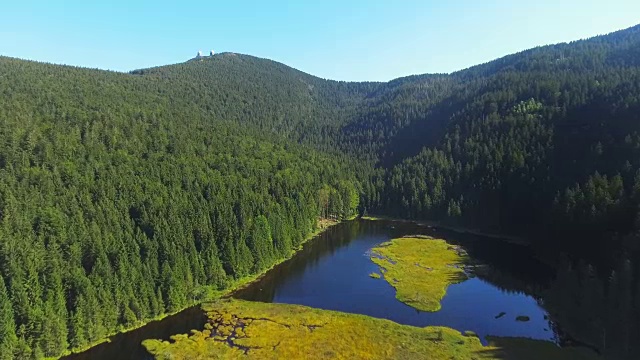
(332, 272)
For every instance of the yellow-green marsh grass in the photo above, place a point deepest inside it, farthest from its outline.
(253, 330)
(420, 269)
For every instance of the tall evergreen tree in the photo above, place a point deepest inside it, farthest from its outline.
(8, 339)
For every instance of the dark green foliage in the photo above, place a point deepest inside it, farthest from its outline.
(271, 96)
(598, 308)
(8, 339)
(121, 200)
(549, 136)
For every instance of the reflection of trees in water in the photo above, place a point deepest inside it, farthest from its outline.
(599, 310)
(509, 283)
(331, 240)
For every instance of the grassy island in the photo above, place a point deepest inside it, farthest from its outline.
(252, 330)
(420, 268)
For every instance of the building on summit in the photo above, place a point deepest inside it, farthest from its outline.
(199, 56)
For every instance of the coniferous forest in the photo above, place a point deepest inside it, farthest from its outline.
(126, 196)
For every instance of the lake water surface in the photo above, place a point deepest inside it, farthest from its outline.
(332, 272)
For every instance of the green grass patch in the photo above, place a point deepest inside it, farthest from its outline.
(253, 330)
(420, 269)
(373, 218)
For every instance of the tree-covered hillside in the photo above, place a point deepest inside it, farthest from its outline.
(263, 93)
(544, 141)
(126, 196)
(119, 203)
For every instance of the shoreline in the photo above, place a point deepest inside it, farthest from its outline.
(323, 225)
(107, 338)
(458, 229)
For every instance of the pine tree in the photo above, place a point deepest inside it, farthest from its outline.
(8, 339)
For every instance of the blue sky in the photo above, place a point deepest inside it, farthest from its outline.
(343, 40)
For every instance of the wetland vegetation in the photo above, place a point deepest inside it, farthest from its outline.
(240, 329)
(420, 269)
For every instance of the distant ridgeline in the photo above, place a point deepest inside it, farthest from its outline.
(127, 196)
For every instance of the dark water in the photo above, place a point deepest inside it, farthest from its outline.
(128, 346)
(332, 272)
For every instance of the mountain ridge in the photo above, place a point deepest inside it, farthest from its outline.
(606, 36)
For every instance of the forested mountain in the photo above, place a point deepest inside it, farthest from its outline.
(121, 201)
(126, 196)
(271, 96)
(539, 142)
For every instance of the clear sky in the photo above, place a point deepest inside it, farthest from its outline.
(336, 39)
